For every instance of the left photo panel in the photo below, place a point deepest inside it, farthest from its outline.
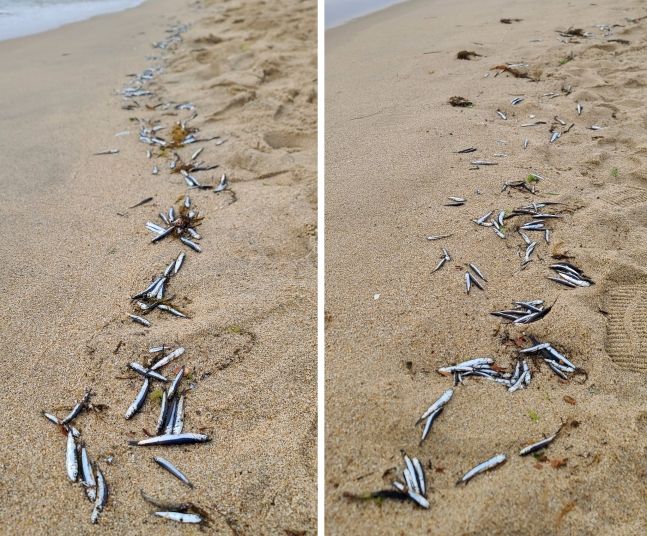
(159, 282)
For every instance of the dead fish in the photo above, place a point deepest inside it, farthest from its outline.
(468, 281)
(560, 121)
(54, 419)
(190, 244)
(554, 136)
(430, 420)
(176, 382)
(501, 114)
(139, 400)
(579, 108)
(482, 219)
(147, 373)
(107, 151)
(71, 460)
(477, 271)
(482, 467)
(529, 250)
(444, 398)
(87, 475)
(484, 163)
(178, 263)
(140, 320)
(76, 410)
(163, 411)
(468, 150)
(539, 445)
(102, 497)
(438, 237)
(180, 517)
(186, 438)
(173, 470)
(171, 310)
(142, 202)
(197, 153)
(178, 421)
(222, 185)
(525, 143)
(168, 358)
(516, 100)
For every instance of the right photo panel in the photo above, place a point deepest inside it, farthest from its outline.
(486, 289)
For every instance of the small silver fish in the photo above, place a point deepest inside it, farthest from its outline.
(87, 475)
(484, 466)
(501, 114)
(147, 373)
(444, 398)
(140, 320)
(178, 423)
(168, 358)
(555, 135)
(107, 151)
(538, 445)
(173, 470)
(102, 497)
(180, 517)
(186, 438)
(438, 237)
(71, 459)
(192, 245)
(162, 417)
(175, 384)
(139, 400)
(222, 185)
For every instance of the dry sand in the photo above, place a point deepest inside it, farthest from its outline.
(391, 138)
(73, 253)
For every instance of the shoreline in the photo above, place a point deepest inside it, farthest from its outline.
(47, 12)
(81, 253)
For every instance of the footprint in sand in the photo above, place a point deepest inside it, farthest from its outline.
(625, 196)
(626, 341)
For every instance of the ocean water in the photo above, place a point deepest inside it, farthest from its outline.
(25, 17)
(341, 11)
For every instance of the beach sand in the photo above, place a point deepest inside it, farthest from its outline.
(73, 253)
(391, 162)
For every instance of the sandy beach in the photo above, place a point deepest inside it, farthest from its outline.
(74, 253)
(391, 163)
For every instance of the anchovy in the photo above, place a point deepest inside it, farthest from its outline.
(176, 382)
(438, 237)
(468, 282)
(525, 143)
(163, 410)
(483, 218)
(474, 281)
(140, 320)
(163, 234)
(178, 263)
(556, 355)
(468, 150)
(102, 496)
(77, 408)
(444, 398)
(87, 475)
(484, 163)
(139, 400)
(180, 517)
(482, 467)
(197, 153)
(418, 499)
(579, 108)
(147, 373)
(516, 100)
(555, 135)
(192, 245)
(477, 271)
(420, 476)
(519, 383)
(442, 261)
(535, 348)
(560, 121)
(410, 472)
(71, 460)
(178, 423)
(529, 250)
(173, 470)
(539, 445)
(186, 438)
(501, 114)
(170, 417)
(171, 310)
(107, 151)
(67, 428)
(168, 358)
(465, 365)
(429, 422)
(222, 185)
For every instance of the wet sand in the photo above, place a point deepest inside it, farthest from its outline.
(391, 164)
(73, 254)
